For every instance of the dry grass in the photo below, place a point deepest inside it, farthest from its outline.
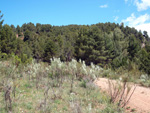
(46, 88)
(120, 92)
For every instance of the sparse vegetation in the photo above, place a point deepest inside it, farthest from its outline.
(42, 87)
(120, 92)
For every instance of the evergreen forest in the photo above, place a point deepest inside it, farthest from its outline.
(108, 45)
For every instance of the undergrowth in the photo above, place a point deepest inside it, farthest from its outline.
(61, 87)
(131, 72)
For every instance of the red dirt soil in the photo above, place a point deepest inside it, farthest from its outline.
(140, 100)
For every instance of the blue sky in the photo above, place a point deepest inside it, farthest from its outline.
(134, 13)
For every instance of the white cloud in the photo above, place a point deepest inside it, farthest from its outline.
(133, 21)
(144, 27)
(116, 18)
(143, 5)
(130, 19)
(104, 6)
(126, 0)
(140, 23)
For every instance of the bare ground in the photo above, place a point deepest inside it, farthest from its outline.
(140, 100)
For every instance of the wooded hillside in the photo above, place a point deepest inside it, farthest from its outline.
(108, 45)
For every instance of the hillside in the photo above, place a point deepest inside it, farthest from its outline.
(108, 45)
(57, 88)
(45, 68)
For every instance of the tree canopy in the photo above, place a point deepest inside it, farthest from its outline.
(104, 44)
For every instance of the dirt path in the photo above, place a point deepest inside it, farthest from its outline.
(140, 100)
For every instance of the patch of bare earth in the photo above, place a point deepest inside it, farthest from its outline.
(140, 100)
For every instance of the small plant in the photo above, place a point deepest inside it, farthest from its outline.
(145, 80)
(28, 85)
(133, 110)
(120, 92)
(44, 104)
(7, 97)
(83, 83)
(7, 84)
